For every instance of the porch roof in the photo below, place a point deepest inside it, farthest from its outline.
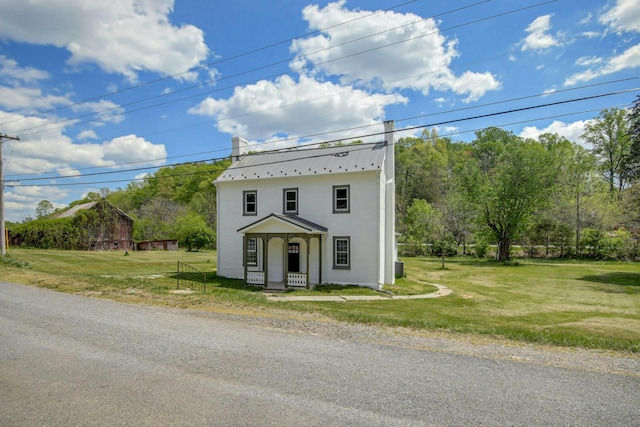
(304, 225)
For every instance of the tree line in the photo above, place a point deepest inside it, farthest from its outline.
(549, 196)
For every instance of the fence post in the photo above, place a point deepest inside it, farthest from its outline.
(178, 275)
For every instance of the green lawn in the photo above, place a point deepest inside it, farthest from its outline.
(577, 304)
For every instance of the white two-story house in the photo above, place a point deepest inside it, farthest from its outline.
(304, 217)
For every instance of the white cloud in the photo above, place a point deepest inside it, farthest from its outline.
(590, 34)
(105, 111)
(586, 19)
(571, 131)
(19, 89)
(19, 92)
(53, 151)
(9, 70)
(295, 108)
(121, 36)
(53, 154)
(587, 61)
(630, 58)
(624, 16)
(132, 148)
(29, 100)
(417, 55)
(446, 130)
(538, 37)
(21, 202)
(87, 134)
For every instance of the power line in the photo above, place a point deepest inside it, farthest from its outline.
(435, 124)
(353, 89)
(311, 66)
(327, 132)
(205, 66)
(145, 161)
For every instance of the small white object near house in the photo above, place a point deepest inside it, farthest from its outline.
(309, 216)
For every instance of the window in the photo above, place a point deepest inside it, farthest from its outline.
(250, 203)
(252, 251)
(341, 199)
(290, 200)
(341, 253)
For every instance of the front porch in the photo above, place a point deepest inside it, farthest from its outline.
(282, 252)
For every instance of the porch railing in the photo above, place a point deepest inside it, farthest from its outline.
(255, 277)
(297, 280)
(294, 280)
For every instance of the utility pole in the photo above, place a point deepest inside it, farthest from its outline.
(3, 232)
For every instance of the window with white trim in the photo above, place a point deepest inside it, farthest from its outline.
(250, 203)
(252, 251)
(341, 202)
(290, 201)
(342, 253)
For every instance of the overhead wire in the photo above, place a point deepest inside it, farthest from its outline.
(217, 62)
(331, 132)
(423, 126)
(48, 127)
(502, 14)
(343, 130)
(222, 168)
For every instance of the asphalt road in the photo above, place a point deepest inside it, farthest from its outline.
(68, 360)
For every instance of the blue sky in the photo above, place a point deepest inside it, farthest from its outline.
(96, 89)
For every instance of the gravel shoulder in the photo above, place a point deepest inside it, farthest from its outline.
(621, 363)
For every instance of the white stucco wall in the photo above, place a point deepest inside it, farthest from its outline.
(364, 225)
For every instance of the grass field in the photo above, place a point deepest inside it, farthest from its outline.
(576, 304)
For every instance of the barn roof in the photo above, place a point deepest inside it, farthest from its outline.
(305, 162)
(70, 213)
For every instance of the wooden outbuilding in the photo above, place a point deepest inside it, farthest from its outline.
(107, 227)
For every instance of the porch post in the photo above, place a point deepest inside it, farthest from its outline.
(265, 249)
(266, 263)
(320, 260)
(244, 256)
(307, 241)
(286, 261)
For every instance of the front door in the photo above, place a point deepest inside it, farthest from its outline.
(294, 258)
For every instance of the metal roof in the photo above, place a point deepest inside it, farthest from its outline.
(74, 210)
(305, 162)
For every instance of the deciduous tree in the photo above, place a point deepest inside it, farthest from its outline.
(44, 208)
(508, 179)
(611, 141)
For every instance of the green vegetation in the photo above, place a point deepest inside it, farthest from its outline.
(502, 189)
(498, 189)
(577, 304)
(68, 233)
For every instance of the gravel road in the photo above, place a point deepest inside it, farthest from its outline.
(71, 360)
